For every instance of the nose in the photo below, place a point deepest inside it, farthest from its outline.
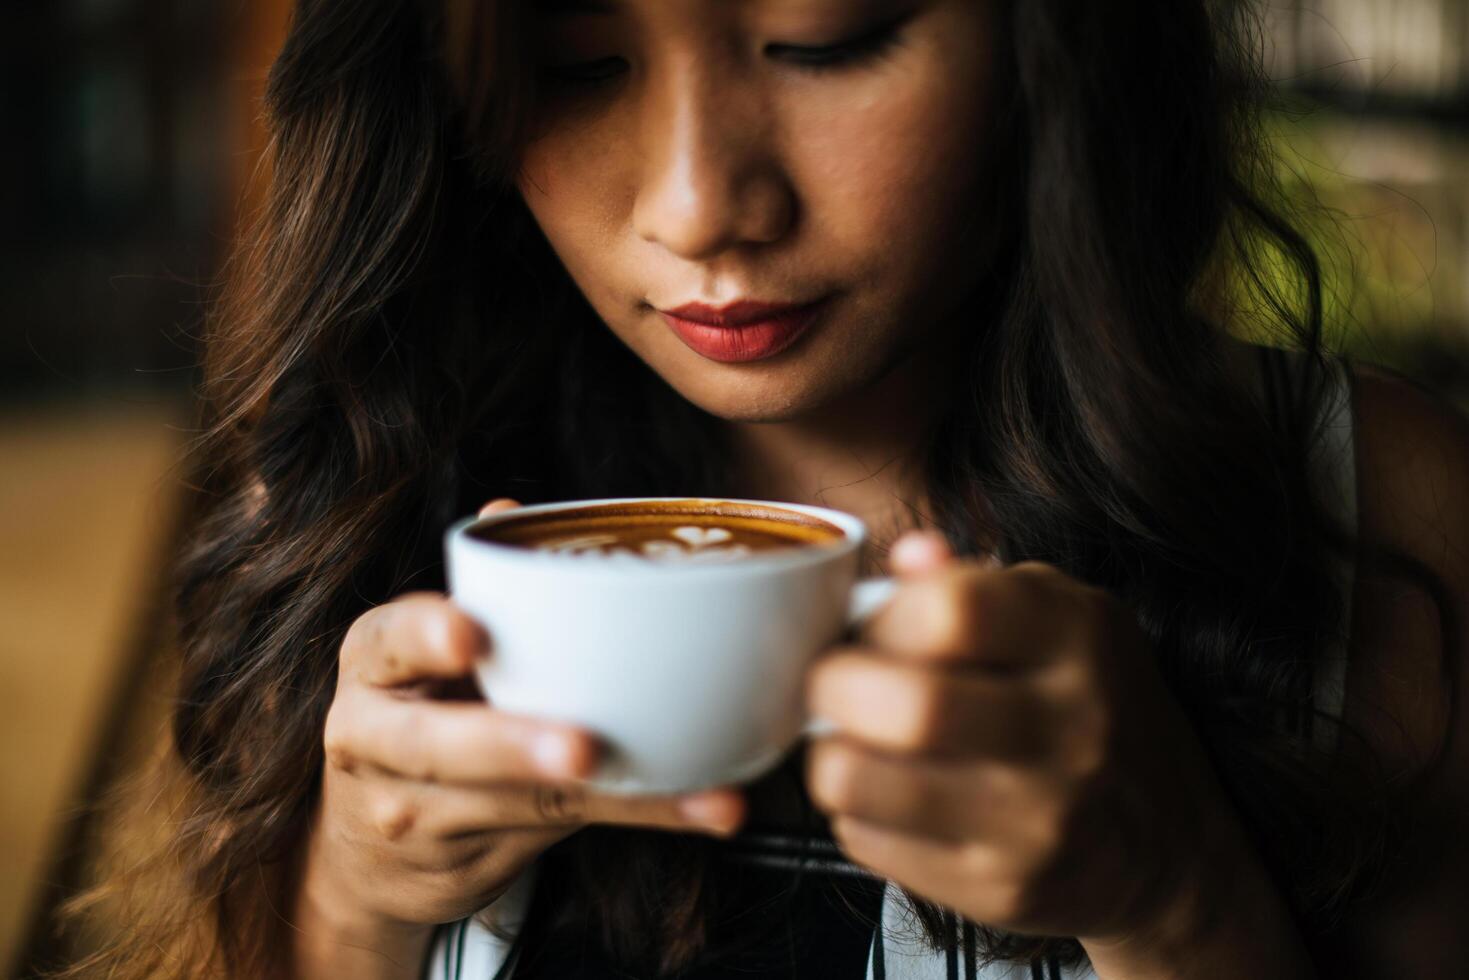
(711, 178)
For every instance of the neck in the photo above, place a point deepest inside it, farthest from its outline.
(862, 453)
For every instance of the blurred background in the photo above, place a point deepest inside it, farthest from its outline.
(133, 139)
(134, 143)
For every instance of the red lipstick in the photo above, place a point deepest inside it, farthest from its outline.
(747, 330)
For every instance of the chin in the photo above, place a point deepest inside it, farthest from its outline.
(751, 400)
(757, 414)
(740, 407)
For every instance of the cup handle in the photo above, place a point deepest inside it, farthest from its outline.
(868, 596)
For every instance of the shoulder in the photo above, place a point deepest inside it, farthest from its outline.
(1412, 450)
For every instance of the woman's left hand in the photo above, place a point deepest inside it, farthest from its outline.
(1007, 748)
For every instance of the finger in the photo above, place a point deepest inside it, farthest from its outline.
(955, 876)
(943, 801)
(720, 810)
(400, 809)
(452, 811)
(966, 612)
(919, 551)
(453, 742)
(498, 505)
(901, 706)
(417, 636)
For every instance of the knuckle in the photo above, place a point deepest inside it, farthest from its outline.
(393, 817)
(336, 741)
(559, 804)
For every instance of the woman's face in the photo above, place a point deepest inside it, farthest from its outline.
(784, 151)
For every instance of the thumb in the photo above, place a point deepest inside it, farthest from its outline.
(917, 552)
(498, 505)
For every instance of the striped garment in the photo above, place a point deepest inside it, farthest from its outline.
(468, 950)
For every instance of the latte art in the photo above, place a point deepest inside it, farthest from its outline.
(701, 537)
(687, 543)
(686, 532)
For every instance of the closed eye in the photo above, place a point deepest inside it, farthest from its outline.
(867, 46)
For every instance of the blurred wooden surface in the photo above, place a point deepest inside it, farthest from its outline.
(88, 502)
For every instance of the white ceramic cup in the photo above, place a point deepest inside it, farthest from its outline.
(693, 673)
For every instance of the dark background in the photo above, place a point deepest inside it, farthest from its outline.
(131, 135)
(117, 188)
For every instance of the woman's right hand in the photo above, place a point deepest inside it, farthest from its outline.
(430, 806)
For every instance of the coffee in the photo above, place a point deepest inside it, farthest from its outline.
(673, 531)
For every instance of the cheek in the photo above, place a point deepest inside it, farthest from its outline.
(574, 177)
(566, 188)
(902, 167)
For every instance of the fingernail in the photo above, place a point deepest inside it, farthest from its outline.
(497, 505)
(709, 811)
(919, 549)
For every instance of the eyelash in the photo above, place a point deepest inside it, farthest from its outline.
(860, 50)
(864, 48)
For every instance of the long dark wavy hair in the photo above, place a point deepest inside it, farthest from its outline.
(399, 343)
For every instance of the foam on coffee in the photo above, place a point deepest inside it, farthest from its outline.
(666, 531)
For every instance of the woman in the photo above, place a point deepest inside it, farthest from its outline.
(1103, 722)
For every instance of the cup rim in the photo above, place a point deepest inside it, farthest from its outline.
(853, 528)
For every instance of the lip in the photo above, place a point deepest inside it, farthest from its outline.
(748, 330)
